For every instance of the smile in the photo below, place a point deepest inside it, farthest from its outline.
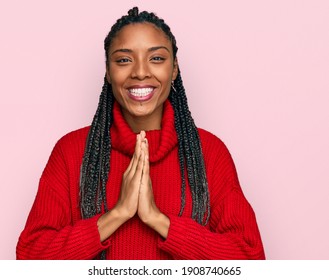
(141, 94)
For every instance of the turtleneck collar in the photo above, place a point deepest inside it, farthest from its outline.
(161, 142)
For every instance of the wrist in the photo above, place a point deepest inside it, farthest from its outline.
(160, 223)
(109, 222)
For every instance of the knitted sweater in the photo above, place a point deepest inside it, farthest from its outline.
(55, 230)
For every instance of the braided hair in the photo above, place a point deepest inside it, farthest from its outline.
(96, 160)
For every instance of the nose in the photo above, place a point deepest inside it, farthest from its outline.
(140, 70)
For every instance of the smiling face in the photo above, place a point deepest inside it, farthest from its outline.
(140, 68)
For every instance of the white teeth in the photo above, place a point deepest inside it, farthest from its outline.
(140, 91)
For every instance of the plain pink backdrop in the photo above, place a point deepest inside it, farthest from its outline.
(256, 75)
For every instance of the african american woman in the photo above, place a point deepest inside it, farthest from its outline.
(142, 182)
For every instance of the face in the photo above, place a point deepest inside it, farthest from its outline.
(141, 68)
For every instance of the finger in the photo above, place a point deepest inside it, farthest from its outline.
(134, 161)
(139, 168)
(147, 152)
(142, 134)
(130, 165)
(146, 169)
(146, 165)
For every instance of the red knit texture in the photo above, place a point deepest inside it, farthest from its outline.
(55, 230)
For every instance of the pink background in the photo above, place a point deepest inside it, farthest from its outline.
(256, 74)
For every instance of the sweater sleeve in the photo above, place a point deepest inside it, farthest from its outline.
(232, 231)
(49, 232)
(235, 237)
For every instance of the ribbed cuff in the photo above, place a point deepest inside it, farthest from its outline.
(89, 238)
(184, 238)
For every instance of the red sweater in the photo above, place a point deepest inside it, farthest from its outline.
(55, 230)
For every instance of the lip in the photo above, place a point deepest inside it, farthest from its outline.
(141, 98)
(141, 86)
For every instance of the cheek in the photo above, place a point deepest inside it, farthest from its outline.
(118, 74)
(164, 74)
(117, 80)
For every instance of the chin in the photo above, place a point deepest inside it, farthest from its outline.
(142, 112)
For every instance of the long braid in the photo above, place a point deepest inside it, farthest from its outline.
(190, 153)
(96, 161)
(95, 166)
(178, 125)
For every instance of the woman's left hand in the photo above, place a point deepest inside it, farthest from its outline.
(147, 211)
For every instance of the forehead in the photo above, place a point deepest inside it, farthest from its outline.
(139, 35)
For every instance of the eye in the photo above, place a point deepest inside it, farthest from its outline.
(123, 60)
(157, 59)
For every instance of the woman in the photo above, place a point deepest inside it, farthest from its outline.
(142, 182)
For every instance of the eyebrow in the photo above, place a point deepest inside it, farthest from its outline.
(152, 49)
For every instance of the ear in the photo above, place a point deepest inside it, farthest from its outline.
(108, 78)
(175, 70)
